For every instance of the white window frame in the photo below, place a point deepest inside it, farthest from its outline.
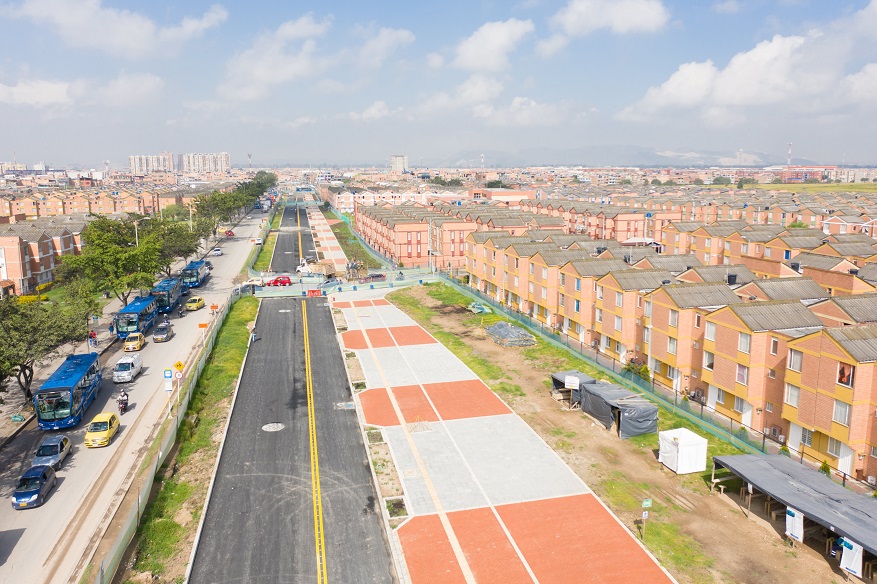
(739, 404)
(618, 323)
(745, 370)
(792, 395)
(706, 361)
(807, 437)
(834, 447)
(843, 412)
(671, 345)
(744, 342)
(710, 333)
(774, 345)
(795, 356)
(673, 319)
(619, 299)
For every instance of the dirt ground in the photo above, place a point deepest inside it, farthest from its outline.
(732, 547)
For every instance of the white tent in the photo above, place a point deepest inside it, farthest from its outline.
(682, 451)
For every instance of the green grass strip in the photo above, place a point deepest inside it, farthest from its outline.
(263, 261)
(159, 536)
(350, 245)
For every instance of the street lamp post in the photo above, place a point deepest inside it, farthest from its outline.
(136, 236)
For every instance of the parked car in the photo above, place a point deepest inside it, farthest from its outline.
(33, 487)
(249, 216)
(127, 368)
(229, 233)
(134, 342)
(280, 281)
(257, 281)
(194, 303)
(163, 332)
(258, 241)
(52, 451)
(373, 278)
(101, 430)
(217, 251)
(330, 283)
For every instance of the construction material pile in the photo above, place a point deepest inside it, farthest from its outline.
(507, 335)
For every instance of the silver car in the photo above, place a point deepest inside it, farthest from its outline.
(163, 332)
(52, 451)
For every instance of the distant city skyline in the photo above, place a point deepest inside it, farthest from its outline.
(355, 83)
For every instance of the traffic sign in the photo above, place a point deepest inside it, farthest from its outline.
(179, 375)
(647, 503)
(179, 365)
(168, 373)
(645, 515)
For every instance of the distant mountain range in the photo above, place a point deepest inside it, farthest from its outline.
(613, 155)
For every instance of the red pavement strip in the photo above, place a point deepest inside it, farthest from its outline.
(353, 340)
(453, 400)
(362, 303)
(488, 551)
(380, 338)
(428, 553)
(411, 335)
(342, 305)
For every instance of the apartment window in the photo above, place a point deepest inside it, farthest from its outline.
(787, 254)
(834, 446)
(674, 317)
(531, 287)
(671, 345)
(578, 306)
(874, 451)
(578, 284)
(708, 242)
(771, 374)
(492, 269)
(845, 374)
(709, 360)
(841, 412)
(563, 279)
(710, 331)
(532, 269)
(727, 246)
(742, 374)
(774, 345)
(647, 335)
(720, 396)
(409, 239)
(795, 360)
(768, 407)
(744, 248)
(744, 342)
(693, 240)
(739, 404)
(639, 301)
(544, 292)
(767, 252)
(806, 437)
(696, 320)
(516, 281)
(544, 273)
(599, 292)
(706, 258)
(516, 263)
(598, 315)
(619, 299)
(793, 392)
(647, 311)
(618, 323)
(672, 372)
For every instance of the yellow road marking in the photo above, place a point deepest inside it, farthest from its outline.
(319, 534)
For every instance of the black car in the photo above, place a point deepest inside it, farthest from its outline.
(369, 278)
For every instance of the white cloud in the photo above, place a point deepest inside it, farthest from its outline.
(299, 122)
(582, 17)
(475, 91)
(125, 90)
(119, 33)
(489, 47)
(251, 74)
(526, 112)
(378, 48)
(727, 7)
(375, 111)
(861, 87)
(435, 61)
(36, 93)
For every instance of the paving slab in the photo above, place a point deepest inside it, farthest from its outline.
(412, 365)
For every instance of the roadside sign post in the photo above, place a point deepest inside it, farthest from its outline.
(647, 504)
(168, 380)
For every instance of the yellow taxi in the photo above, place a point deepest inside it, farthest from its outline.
(101, 430)
(194, 303)
(135, 341)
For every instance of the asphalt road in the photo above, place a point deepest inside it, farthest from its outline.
(48, 544)
(259, 525)
(286, 251)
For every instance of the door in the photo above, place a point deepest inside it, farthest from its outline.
(712, 396)
(794, 441)
(845, 460)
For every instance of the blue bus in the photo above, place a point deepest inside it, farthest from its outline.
(167, 294)
(64, 397)
(195, 273)
(138, 316)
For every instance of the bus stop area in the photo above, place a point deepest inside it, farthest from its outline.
(812, 505)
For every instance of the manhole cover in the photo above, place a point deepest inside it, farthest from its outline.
(273, 427)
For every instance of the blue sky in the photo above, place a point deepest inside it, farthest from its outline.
(82, 81)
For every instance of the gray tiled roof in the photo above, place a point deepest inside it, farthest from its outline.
(791, 289)
(634, 279)
(860, 307)
(674, 263)
(776, 315)
(858, 341)
(815, 260)
(701, 295)
(596, 267)
(868, 272)
(720, 273)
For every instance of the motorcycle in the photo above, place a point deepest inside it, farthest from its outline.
(123, 404)
(181, 312)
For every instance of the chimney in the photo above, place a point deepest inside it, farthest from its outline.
(732, 279)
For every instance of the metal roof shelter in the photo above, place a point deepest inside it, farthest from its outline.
(812, 493)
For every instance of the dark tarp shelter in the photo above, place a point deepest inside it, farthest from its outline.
(812, 493)
(558, 382)
(609, 403)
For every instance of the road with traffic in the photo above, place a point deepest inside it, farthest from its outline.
(50, 543)
(275, 515)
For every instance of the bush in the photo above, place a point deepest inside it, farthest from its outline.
(742, 434)
(684, 405)
(784, 450)
(28, 299)
(46, 286)
(825, 469)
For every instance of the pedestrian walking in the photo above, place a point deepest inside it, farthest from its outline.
(112, 329)
(93, 337)
(253, 335)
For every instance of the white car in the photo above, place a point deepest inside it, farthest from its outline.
(258, 241)
(217, 251)
(257, 281)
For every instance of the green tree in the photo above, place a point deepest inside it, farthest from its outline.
(657, 182)
(776, 181)
(627, 181)
(114, 257)
(698, 181)
(455, 182)
(721, 180)
(437, 180)
(175, 212)
(175, 241)
(746, 181)
(496, 184)
(669, 183)
(33, 332)
(797, 225)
